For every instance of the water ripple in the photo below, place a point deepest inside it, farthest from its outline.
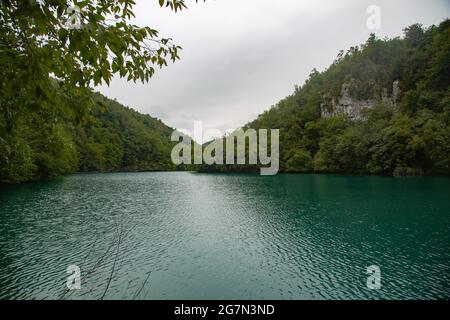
(199, 236)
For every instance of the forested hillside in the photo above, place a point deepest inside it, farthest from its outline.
(112, 138)
(52, 53)
(380, 108)
(120, 138)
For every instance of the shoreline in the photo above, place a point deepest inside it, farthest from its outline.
(242, 173)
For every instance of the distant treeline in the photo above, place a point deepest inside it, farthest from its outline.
(410, 138)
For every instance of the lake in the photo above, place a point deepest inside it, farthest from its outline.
(186, 235)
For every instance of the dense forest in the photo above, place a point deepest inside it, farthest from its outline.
(381, 108)
(52, 53)
(394, 118)
(111, 138)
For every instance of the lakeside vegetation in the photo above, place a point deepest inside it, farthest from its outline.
(52, 123)
(111, 138)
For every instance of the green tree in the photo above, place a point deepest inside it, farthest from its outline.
(51, 53)
(301, 161)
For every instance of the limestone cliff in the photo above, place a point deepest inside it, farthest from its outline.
(353, 107)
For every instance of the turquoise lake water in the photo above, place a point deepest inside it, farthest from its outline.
(212, 236)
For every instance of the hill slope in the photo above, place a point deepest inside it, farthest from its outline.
(111, 138)
(380, 108)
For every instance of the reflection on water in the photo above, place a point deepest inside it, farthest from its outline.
(204, 236)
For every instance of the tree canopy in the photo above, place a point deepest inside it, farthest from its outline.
(51, 53)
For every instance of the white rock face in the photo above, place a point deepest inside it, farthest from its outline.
(353, 108)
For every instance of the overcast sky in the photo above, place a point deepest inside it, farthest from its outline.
(242, 56)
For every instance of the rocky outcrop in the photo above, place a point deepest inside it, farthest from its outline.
(408, 172)
(352, 107)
